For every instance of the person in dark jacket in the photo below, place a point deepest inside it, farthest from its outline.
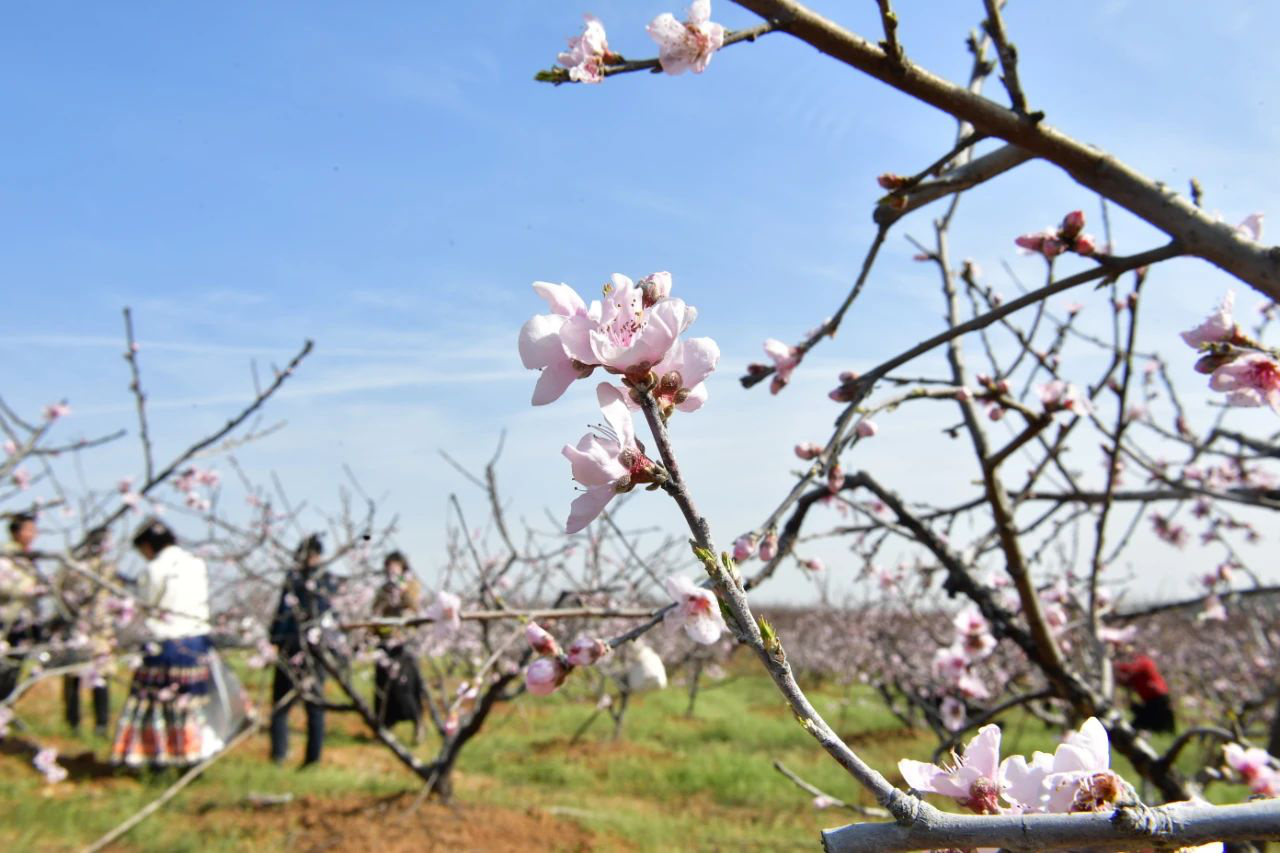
(397, 683)
(304, 599)
(1152, 712)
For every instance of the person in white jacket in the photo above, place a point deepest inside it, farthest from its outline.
(164, 722)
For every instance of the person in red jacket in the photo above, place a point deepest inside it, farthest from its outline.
(1153, 711)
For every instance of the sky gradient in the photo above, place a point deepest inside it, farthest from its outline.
(387, 180)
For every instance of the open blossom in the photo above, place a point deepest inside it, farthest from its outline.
(785, 358)
(588, 53)
(542, 340)
(688, 46)
(975, 780)
(585, 651)
(608, 462)
(1254, 767)
(46, 761)
(1218, 327)
(1253, 380)
(544, 675)
(1059, 395)
(632, 333)
(697, 610)
(681, 373)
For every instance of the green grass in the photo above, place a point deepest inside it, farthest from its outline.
(671, 781)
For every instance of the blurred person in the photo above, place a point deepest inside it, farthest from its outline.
(305, 598)
(164, 719)
(397, 683)
(19, 591)
(86, 602)
(1153, 712)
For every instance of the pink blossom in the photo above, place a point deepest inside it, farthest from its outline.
(446, 614)
(688, 46)
(697, 610)
(630, 335)
(46, 761)
(1058, 395)
(544, 676)
(1250, 227)
(835, 479)
(452, 723)
(769, 546)
(56, 410)
(808, 451)
(1117, 636)
(1072, 224)
(681, 373)
(744, 547)
(953, 713)
(1253, 380)
(608, 462)
(542, 341)
(785, 358)
(975, 780)
(813, 564)
(1254, 767)
(1214, 610)
(540, 640)
(1082, 757)
(10, 447)
(585, 651)
(1218, 327)
(866, 428)
(1084, 245)
(1044, 243)
(588, 53)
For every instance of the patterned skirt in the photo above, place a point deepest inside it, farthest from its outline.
(164, 722)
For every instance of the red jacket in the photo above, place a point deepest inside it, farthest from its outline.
(1142, 676)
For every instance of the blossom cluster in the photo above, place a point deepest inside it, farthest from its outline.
(682, 45)
(547, 673)
(1238, 366)
(1255, 767)
(633, 333)
(1069, 236)
(1077, 777)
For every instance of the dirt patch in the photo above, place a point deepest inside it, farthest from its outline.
(393, 824)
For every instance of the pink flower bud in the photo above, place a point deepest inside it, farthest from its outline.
(890, 181)
(963, 394)
(1084, 245)
(539, 640)
(1072, 224)
(835, 479)
(813, 564)
(744, 547)
(544, 676)
(808, 451)
(995, 413)
(866, 428)
(769, 546)
(585, 651)
(451, 724)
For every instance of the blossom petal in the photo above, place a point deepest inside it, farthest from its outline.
(555, 378)
(594, 461)
(613, 405)
(587, 506)
(562, 299)
(539, 341)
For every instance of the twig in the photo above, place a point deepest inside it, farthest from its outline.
(809, 788)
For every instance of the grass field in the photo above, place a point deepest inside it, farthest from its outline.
(669, 782)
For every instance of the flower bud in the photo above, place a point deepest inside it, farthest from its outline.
(744, 547)
(866, 428)
(539, 639)
(808, 451)
(585, 651)
(544, 676)
(1084, 245)
(963, 394)
(655, 288)
(890, 181)
(670, 383)
(769, 546)
(813, 564)
(1072, 225)
(835, 479)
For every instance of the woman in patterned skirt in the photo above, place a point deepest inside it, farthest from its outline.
(164, 722)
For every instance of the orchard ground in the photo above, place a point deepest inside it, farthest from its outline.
(670, 782)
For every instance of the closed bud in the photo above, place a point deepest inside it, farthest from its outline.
(835, 479)
(544, 676)
(670, 383)
(890, 181)
(655, 288)
(1084, 245)
(769, 546)
(808, 451)
(539, 639)
(1072, 225)
(585, 651)
(681, 395)
(744, 547)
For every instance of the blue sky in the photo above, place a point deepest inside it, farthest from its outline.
(387, 179)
